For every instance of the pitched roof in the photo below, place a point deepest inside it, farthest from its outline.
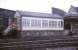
(58, 12)
(6, 13)
(73, 11)
(37, 14)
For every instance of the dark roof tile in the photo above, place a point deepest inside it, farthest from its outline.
(37, 14)
(58, 12)
(6, 13)
(73, 11)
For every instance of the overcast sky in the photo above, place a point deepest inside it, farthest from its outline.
(37, 5)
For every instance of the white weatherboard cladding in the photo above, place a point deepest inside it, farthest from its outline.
(32, 23)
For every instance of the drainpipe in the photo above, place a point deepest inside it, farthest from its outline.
(71, 26)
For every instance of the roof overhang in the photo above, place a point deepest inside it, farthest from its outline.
(6, 13)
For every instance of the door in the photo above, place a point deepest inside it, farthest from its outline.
(74, 27)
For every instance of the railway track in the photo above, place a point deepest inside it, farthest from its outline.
(12, 43)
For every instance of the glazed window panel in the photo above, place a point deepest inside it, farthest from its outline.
(26, 22)
(60, 24)
(52, 24)
(44, 23)
(35, 23)
(32, 23)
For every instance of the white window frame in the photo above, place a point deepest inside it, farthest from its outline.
(41, 26)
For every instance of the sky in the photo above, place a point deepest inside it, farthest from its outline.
(44, 6)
